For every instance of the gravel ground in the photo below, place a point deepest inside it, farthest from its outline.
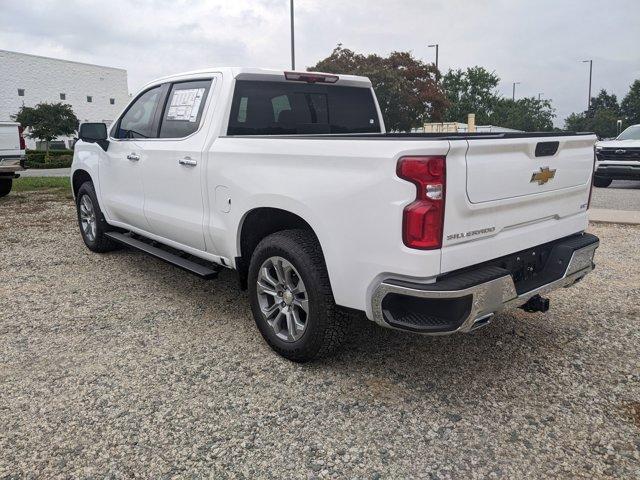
(118, 365)
(620, 195)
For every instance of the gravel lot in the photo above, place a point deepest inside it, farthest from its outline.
(118, 365)
(620, 195)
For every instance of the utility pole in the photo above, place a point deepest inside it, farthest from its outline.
(590, 62)
(293, 46)
(513, 97)
(437, 47)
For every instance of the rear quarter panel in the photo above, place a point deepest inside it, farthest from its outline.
(346, 189)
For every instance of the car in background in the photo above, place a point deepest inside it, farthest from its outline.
(618, 159)
(12, 155)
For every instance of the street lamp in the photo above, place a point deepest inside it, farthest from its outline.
(437, 47)
(513, 97)
(590, 62)
(539, 95)
(293, 50)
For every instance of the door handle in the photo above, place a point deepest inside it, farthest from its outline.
(133, 157)
(188, 161)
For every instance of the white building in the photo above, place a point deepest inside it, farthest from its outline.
(96, 93)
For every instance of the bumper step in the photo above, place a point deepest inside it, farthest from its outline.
(202, 271)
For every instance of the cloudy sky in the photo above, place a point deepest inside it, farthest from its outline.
(539, 43)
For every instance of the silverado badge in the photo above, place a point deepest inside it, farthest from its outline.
(543, 176)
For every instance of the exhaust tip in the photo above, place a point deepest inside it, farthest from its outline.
(481, 322)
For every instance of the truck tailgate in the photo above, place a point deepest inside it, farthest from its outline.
(504, 195)
(508, 168)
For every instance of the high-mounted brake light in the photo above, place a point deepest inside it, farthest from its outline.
(310, 77)
(23, 145)
(423, 219)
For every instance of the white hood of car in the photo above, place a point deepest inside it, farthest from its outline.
(619, 144)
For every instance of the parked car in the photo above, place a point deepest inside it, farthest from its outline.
(12, 155)
(290, 179)
(618, 159)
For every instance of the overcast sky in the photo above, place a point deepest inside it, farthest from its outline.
(538, 43)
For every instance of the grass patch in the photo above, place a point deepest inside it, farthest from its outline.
(31, 184)
(59, 187)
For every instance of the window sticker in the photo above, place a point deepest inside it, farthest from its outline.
(185, 105)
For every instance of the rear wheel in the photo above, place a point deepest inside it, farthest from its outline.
(291, 297)
(5, 186)
(93, 225)
(601, 182)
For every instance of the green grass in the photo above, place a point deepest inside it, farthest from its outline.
(32, 184)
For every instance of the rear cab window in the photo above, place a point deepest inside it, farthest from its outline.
(286, 108)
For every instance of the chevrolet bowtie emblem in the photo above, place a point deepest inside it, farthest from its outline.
(543, 176)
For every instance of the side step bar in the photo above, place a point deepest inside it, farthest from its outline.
(180, 262)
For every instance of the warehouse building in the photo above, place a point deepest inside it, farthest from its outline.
(96, 93)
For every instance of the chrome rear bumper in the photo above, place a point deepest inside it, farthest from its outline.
(476, 303)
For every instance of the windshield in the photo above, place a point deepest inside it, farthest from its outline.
(631, 133)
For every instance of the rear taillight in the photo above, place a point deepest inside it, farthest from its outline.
(423, 219)
(23, 145)
(310, 77)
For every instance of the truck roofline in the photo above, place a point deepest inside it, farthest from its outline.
(260, 74)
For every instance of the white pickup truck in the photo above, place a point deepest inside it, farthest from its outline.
(12, 155)
(290, 179)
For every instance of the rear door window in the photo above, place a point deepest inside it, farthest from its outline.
(285, 108)
(183, 109)
(138, 120)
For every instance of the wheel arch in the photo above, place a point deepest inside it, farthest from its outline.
(79, 177)
(257, 224)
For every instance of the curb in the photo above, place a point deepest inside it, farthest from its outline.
(623, 217)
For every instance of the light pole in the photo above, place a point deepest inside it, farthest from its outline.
(437, 47)
(513, 97)
(293, 46)
(540, 95)
(590, 62)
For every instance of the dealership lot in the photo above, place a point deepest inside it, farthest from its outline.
(120, 364)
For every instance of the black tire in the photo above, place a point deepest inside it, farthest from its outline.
(100, 243)
(326, 323)
(5, 186)
(601, 182)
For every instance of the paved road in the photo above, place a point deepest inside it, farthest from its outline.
(46, 172)
(620, 195)
(119, 365)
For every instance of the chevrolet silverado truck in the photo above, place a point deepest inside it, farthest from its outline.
(12, 155)
(618, 159)
(290, 179)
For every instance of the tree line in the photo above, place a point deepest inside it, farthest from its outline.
(412, 92)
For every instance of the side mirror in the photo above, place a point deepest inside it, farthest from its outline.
(94, 133)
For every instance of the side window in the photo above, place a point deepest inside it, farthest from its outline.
(184, 108)
(137, 122)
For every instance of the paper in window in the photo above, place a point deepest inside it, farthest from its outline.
(185, 104)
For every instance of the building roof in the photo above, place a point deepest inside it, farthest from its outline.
(61, 60)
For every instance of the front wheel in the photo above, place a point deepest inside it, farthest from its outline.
(5, 186)
(93, 225)
(601, 182)
(291, 297)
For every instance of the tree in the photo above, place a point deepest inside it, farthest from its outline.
(47, 121)
(470, 91)
(631, 104)
(601, 117)
(407, 90)
(528, 114)
(604, 101)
